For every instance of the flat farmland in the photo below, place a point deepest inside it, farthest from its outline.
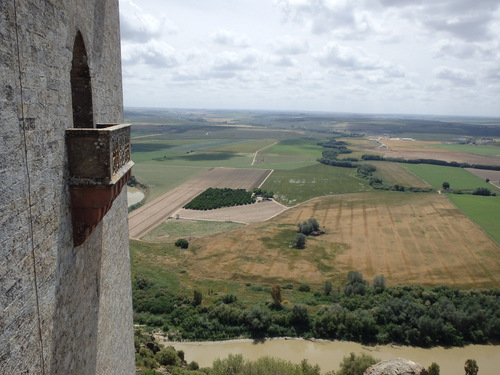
(395, 173)
(142, 220)
(410, 238)
(431, 150)
(458, 178)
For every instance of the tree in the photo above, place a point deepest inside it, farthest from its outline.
(433, 369)
(276, 295)
(328, 287)
(482, 191)
(300, 241)
(379, 283)
(308, 226)
(197, 297)
(356, 365)
(182, 243)
(471, 367)
(446, 185)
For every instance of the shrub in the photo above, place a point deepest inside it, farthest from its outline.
(300, 241)
(168, 357)
(228, 298)
(304, 288)
(356, 365)
(433, 369)
(182, 243)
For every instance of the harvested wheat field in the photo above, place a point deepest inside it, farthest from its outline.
(408, 237)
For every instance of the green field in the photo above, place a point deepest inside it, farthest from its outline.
(298, 185)
(171, 230)
(482, 150)
(458, 178)
(484, 211)
(162, 178)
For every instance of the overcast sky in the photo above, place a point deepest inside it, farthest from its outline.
(366, 56)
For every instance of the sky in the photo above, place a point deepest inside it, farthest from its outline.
(438, 57)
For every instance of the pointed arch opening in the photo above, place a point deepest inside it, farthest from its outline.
(81, 88)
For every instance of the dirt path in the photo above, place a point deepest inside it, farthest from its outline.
(262, 149)
(144, 219)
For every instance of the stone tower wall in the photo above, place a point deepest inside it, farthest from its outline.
(64, 309)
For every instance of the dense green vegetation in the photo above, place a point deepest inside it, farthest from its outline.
(409, 315)
(213, 198)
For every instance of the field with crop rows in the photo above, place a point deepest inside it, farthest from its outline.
(410, 238)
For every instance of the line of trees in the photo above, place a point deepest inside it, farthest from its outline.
(213, 198)
(431, 161)
(362, 312)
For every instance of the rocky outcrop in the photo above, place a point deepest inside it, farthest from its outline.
(398, 366)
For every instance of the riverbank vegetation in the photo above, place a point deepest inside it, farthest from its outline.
(360, 312)
(153, 358)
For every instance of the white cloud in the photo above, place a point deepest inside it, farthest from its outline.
(287, 45)
(228, 38)
(245, 59)
(455, 76)
(155, 53)
(362, 55)
(334, 54)
(139, 26)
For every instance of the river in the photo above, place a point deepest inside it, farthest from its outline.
(329, 354)
(134, 196)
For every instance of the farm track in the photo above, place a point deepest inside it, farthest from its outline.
(147, 217)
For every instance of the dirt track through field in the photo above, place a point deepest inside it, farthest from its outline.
(147, 217)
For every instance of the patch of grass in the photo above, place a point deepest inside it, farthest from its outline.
(171, 230)
(485, 211)
(482, 150)
(395, 173)
(295, 186)
(162, 178)
(458, 178)
(281, 240)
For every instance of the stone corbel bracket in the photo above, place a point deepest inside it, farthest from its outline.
(99, 166)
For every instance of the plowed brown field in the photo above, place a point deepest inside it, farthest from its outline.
(153, 213)
(410, 238)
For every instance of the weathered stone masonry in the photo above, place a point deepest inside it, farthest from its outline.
(64, 309)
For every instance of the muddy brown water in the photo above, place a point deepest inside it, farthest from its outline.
(329, 354)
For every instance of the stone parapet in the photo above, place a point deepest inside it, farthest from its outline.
(99, 166)
(98, 157)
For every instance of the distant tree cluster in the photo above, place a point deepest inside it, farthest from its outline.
(263, 193)
(309, 226)
(213, 198)
(306, 228)
(431, 161)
